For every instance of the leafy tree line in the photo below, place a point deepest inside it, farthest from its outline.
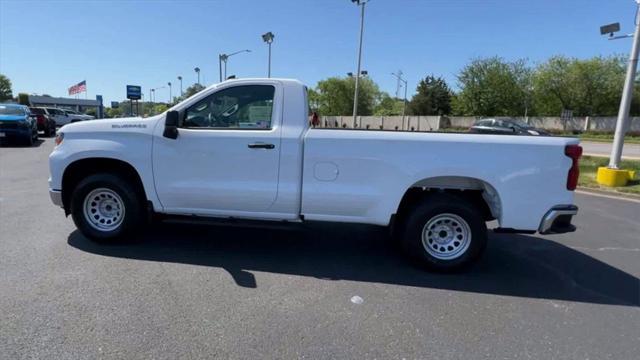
(493, 87)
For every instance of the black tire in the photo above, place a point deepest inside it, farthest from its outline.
(132, 208)
(450, 208)
(48, 132)
(28, 141)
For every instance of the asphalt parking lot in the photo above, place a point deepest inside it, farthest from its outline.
(217, 292)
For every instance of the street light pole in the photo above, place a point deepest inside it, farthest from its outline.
(224, 58)
(180, 78)
(627, 95)
(360, 3)
(170, 97)
(197, 70)
(221, 58)
(268, 38)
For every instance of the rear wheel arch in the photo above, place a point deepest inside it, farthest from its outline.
(78, 170)
(477, 192)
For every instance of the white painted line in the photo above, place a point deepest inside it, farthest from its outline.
(608, 196)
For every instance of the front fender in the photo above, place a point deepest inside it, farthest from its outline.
(131, 148)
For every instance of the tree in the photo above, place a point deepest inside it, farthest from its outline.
(433, 97)
(314, 99)
(335, 96)
(388, 106)
(493, 87)
(23, 99)
(113, 112)
(192, 90)
(587, 87)
(5, 88)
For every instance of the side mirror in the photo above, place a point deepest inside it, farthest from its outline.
(171, 125)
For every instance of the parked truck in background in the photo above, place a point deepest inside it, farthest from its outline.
(243, 149)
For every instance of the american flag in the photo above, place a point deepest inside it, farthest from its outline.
(78, 88)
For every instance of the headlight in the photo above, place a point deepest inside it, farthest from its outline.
(59, 138)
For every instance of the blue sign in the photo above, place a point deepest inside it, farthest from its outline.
(115, 104)
(134, 92)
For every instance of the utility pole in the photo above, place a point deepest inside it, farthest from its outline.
(627, 95)
(400, 82)
(398, 85)
(360, 3)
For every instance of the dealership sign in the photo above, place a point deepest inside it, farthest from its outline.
(134, 92)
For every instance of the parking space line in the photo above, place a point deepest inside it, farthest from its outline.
(608, 196)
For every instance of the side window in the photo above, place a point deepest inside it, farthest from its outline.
(239, 107)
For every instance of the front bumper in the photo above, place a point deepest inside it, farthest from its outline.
(15, 132)
(558, 220)
(56, 197)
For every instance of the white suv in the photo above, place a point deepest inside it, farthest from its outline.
(63, 116)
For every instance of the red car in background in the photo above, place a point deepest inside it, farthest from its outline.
(46, 122)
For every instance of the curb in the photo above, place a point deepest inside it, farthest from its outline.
(624, 157)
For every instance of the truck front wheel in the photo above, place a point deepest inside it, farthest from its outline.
(105, 208)
(444, 233)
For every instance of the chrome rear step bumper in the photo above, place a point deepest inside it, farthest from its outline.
(558, 220)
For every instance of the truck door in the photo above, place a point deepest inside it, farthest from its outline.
(226, 158)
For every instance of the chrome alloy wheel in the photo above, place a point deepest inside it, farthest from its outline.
(104, 209)
(446, 236)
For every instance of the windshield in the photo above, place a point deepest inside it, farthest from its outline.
(11, 110)
(520, 123)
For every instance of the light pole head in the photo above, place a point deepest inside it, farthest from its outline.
(197, 69)
(169, 83)
(180, 78)
(610, 29)
(268, 37)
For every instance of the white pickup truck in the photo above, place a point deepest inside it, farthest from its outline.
(243, 151)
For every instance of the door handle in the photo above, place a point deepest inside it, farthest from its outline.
(261, 145)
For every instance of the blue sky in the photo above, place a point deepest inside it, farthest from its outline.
(47, 46)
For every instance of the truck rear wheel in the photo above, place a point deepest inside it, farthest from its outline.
(444, 233)
(106, 208)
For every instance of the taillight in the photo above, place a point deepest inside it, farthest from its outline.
(574, 152)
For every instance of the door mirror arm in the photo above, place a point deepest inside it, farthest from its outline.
(171, 125)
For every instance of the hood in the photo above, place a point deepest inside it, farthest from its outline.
(12, 117)
(120, 125)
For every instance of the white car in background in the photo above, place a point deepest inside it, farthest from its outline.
(76, 116)
(64, 116)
